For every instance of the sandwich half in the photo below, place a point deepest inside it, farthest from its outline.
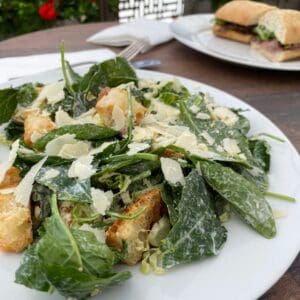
(237, 19)
(278, 35)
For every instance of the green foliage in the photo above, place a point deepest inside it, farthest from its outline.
(8, 104)
(19, 17)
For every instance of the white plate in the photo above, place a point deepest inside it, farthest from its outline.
(247, 266)
(195, 32)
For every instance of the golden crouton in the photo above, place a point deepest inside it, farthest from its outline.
(15, 225)
(110, 99)
(11, 179)
(35, 126)
(129, 230)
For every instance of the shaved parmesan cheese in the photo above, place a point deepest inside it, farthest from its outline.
(82, 168)
(164, 113)
(101, 148)
(53, 93)
(231, 146)
(172, 170)
(137, 147)
(5, 166)
(23, 190)
(118, 118)
(159, 231)
(202, 116)
(50, 174)
(194, 109)
(278, 213)
(208, 138)
(101, 200)
(80, 148)
(186, 140)
(62, 118)
(67, 146)
(225, 115)
(99, 233)
(90, 117)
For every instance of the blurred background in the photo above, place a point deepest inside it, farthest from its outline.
(19, 17)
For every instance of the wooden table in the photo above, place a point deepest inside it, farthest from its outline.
(274, 93)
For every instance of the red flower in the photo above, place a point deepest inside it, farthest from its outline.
(47, 11)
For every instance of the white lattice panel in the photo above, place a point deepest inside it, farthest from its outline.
(151, 9)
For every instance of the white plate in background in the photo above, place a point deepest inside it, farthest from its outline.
(195, 32)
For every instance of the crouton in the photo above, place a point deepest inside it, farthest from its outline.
(35, 126)
(129, 231)
(11, 179)
(111, 102)
(15, 224)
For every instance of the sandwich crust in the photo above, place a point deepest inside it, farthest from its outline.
(219, 31)
(284, 23)
(276, 56)
(245, 13)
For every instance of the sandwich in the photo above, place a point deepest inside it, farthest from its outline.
(278, 35)
(237, 19)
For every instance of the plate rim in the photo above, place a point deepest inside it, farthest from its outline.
(202, 49)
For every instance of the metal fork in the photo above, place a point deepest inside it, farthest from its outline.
(133, 49)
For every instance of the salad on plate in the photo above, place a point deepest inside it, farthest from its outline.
(108, 168)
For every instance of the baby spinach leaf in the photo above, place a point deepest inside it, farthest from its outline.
(67, 189)
(30, 273)
(172, 92)
(8, 104)
(73, 261)
(246, 199)
(197, 232)
(26, 94)
(261, 153)
(82, 132)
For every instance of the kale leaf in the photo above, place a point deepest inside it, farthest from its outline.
(197, 232)
(244, 196)
(67, 189)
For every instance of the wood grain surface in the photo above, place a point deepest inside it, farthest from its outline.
(275, 93)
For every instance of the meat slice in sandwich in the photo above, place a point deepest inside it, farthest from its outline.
(237, 19)
(278, 35)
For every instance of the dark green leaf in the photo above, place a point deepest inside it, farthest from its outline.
(68, 189)
(246, 199)
(171, 195)
(217, 130)
(14, 130)
(29, 272)
(110, 73)
(8, 104)
(26, 94)
(261, 153)
(197, 232)
(82, 132)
